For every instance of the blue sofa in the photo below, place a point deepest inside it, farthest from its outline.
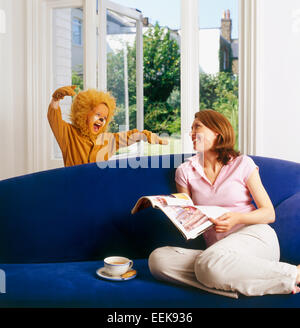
(57, 226)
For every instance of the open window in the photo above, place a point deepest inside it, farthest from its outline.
(120, 67)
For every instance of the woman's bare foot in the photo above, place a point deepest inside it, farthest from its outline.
(297, 288)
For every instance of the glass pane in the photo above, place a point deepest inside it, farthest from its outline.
(121, 72)
(161, 71)
(67, 56)
(219, 58)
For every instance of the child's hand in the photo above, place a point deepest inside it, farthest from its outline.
(153, 138)
(64, 91)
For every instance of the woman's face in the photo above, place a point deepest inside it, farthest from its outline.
(97, 118)
(203, 138)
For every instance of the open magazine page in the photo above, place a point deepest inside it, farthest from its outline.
(160, 201)
(188, 219)
(179, 199)
(192, 220)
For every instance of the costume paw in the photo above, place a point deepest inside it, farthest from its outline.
(153, 138)
(64, 91)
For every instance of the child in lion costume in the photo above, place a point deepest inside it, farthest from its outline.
(85, 140)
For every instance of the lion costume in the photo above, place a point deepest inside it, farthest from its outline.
(85, 140)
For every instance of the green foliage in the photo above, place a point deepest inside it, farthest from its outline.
(162, 118)
(161, 64)
(77, 79)
(115, 75)
(161, 77)
(220, 92)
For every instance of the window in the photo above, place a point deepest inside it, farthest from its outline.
(67, 58)
(224, 60)
(219, 41)
(161, 71)
(76, 31)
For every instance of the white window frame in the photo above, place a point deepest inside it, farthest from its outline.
(250, 68)
(190, 69)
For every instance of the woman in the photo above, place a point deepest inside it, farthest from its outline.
(242, 254)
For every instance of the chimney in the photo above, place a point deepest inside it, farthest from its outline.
(226, 25)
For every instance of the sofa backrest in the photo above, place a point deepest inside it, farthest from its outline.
(83, 212)
(280, 178)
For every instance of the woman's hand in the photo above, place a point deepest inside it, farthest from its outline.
(226, 221)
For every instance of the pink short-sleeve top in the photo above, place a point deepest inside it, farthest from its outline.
(229, 189)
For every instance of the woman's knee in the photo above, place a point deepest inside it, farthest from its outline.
(208, 268)
(157, 261)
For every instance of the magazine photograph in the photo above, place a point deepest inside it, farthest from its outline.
(191, 220)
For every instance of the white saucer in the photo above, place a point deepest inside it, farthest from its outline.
(101, 273)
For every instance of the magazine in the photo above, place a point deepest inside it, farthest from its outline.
(191, 220)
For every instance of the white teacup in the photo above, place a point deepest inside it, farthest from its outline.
(117, 265)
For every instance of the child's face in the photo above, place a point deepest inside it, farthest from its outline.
(97, 118)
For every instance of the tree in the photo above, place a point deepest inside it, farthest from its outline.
(220, 92)
(77, 79)
(161, 64)
(161, 77)
(115, 75)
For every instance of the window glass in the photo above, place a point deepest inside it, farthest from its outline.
(161, 46)
(77, 31)
(67, 41)
(219, 58)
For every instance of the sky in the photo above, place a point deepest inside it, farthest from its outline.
(167, 12)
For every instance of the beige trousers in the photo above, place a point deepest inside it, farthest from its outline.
(246, 262)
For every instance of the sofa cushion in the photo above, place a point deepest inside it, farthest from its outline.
(75, 284)
(281, 178)
(287, 227)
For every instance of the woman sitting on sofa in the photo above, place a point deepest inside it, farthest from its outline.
(242, 254)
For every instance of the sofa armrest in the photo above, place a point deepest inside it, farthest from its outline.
(287, 227)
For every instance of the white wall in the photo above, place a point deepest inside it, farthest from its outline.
(13, 124)
(279, 108)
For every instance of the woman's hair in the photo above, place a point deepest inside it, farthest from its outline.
(224, 144)
(84, 102)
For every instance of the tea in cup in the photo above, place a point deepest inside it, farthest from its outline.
(117, 265)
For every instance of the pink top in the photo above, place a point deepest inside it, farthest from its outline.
(229, 189)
